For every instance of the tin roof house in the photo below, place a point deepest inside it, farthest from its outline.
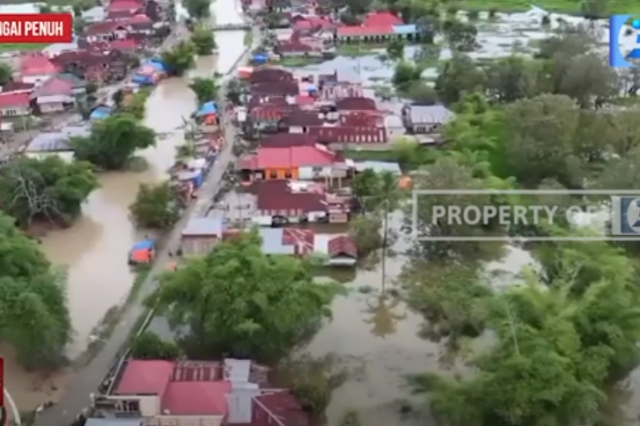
(425, 119)
(377, 27)
(234, 392)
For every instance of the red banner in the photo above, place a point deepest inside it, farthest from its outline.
(36, 28)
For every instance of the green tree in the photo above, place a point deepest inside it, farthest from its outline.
(420, 92)
(6, 73)
(46, 9)
(461, 36)
(50, 189)
(239, 301)
(203, 40)
(113, 141)
(406, 73)
(149, 345)
(459, 75)
(512, 78)
(198, 9)
(206, 89)
(155, 207)
(181, 58)
(34, 316)
(395, 49)
(136, 104)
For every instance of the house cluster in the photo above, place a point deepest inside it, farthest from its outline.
(56, 79)
(310, 34)
(194, 393)
(333, 112)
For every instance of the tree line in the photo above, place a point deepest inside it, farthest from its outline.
(569, 331)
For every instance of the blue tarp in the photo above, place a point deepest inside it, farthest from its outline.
(143, 245)
(207, 108)
(156, 63)
(259, 58)
(142, 79)
(100, 113)
(311, 88)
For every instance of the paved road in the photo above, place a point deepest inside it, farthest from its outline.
(87, 380)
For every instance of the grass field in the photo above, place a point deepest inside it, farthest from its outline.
(14, 47)
(563, 6)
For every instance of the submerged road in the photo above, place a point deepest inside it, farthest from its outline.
(87, 380)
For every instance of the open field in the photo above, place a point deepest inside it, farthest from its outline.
(562, 6)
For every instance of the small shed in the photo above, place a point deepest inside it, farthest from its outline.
(201, 235)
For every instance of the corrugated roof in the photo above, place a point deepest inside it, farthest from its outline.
(144, 377)
(381, 18)
(283, 408)
(196, 398)
(113, 422)
(430, 114)
(204, 226)
(46, 142)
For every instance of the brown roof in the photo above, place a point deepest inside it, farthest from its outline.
(281, 88)
(288, 139)
(302, 119)
(362, 104)
(346, 134)
(277, 195)
(13, 86)
(267, 100)
(270, 75)
(283, 408)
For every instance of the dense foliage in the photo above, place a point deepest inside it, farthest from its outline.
(203, 40)
(113, 141)
(206, 89)
(569, 329)
(149, 345)
(33, 307)
(155, 207)
(241, 302)
(49, 189)
(198, 9)
(181, 58)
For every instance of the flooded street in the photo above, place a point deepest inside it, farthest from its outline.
(94, 250)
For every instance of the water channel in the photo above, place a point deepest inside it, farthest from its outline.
(94, 250)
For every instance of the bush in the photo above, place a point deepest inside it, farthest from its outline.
(473, 15)
(150, 346)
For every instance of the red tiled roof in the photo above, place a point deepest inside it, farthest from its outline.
(282, 140)
(361, 119)
(123, 5)
(36, 64)
(145, 377)
(14, 99)
(304, 100)
(196, 398)
(268, 112)
(365, 31)
(127, 44)
(375, 19)
(341, 245)
(283, 408)
(55, 86)
(123, 13)
(105, 27)
(289, 157)
(267, 100)
(139, 19)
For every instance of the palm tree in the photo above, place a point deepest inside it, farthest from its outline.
(383, 318)
(388, 197)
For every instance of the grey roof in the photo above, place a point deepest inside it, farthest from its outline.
(94, 14)
(430, 114)
(378, 166)
(113, 422)
(49, 142)
(204, 226)
(61, 47)
(272, 242)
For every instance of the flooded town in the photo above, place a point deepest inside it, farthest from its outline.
(212, 216)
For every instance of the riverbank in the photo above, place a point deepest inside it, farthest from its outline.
(88, 379)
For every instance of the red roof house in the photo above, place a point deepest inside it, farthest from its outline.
(205, 389)
(375, 19)
(292, 157)
(35, 67)
(14, 104)
(349, 134)
(282, 140)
